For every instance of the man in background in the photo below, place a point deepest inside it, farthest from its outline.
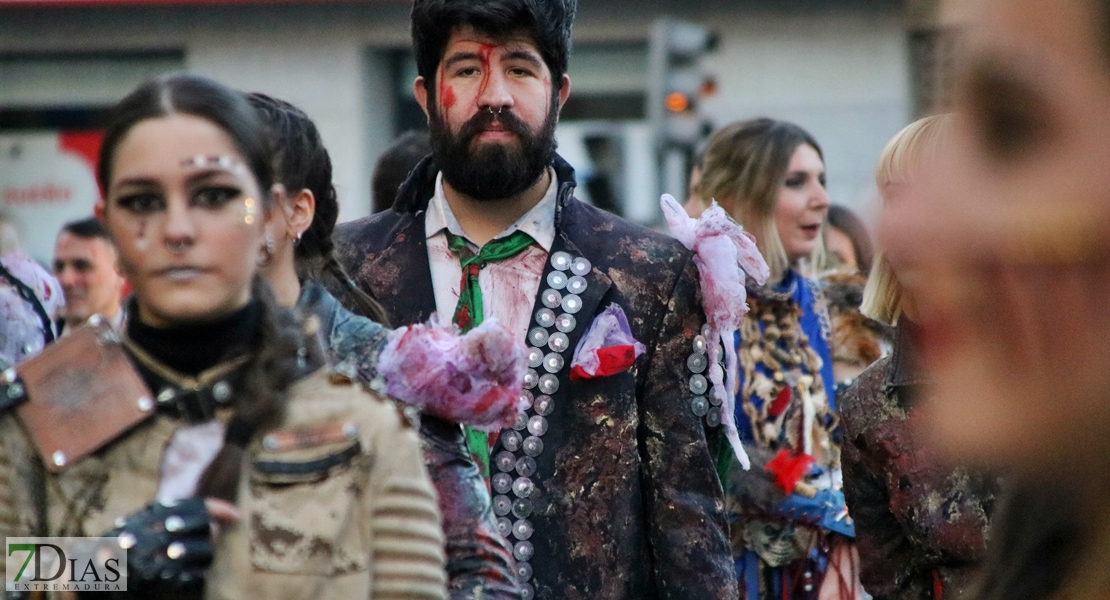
(394, 166)
(85, 264)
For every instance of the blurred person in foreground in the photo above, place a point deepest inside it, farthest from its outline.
(792, 534)
(1007, 258)
(86, 265)
(394, 165)
(920, 522)
(212, 405)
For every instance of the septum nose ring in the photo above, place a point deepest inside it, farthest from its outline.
(177, 247)
(499, 109)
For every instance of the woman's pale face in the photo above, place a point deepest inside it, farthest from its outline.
(802, 204)
(186, 215)
(1007, 257)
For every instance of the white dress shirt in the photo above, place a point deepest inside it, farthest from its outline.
(509, 287)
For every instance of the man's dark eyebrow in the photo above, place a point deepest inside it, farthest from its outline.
(526, 56)
(459, 57)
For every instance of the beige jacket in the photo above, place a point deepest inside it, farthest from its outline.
(324, 515)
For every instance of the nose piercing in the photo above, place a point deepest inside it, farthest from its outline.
(177, 247)
(499, 109)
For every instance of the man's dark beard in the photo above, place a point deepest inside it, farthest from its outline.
(493, 171)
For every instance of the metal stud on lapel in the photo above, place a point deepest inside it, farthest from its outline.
(524, 442)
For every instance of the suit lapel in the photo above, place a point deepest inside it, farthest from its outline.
(597, 286)
(400, 275)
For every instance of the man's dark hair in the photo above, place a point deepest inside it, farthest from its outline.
(90, 228)
(547, 23)
(394, 166)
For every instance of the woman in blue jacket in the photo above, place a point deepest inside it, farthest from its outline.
(791, 532)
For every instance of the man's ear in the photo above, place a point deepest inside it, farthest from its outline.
(564, 91)
(421, 94)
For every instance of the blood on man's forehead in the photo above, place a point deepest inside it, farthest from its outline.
(486, 43)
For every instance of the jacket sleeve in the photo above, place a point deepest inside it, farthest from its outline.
(687, 526)
(479, 560)
(879, 537)
(407, 539)
(912, 515)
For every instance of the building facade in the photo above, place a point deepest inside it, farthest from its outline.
(840, 68)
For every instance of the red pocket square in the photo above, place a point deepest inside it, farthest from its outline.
(612, 359)
(607, 348)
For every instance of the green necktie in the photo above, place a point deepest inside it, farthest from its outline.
(469, 311)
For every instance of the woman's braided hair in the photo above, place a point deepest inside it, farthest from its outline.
(302, 162)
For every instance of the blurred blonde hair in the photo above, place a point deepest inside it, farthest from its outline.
(899, 163)
(743, 168)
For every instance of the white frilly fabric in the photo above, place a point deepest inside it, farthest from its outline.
(21, 328)
(474, 378)
(723, 254)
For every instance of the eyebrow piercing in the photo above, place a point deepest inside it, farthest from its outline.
(223, 161)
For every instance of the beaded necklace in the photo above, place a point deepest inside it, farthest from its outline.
(783, 394)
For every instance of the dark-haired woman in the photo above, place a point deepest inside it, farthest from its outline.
(792, 534)
(318, 489)
(479, 560)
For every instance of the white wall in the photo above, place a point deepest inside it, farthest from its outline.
(841, 73)
(843, 78)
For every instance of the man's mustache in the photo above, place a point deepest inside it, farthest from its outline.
(485, 119)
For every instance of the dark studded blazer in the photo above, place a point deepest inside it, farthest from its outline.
(620, 498)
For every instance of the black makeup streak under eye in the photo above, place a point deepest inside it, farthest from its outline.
(1011, 119)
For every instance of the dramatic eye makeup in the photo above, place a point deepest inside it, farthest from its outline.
(214, 195)
(142, 202)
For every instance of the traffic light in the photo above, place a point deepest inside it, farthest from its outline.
(677, 84)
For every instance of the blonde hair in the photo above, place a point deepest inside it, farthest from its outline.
(743, 167)
(900, 161)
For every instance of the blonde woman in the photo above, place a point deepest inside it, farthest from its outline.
(792, 538)
(921, 523)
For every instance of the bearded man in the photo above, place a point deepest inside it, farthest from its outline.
(605, 487)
